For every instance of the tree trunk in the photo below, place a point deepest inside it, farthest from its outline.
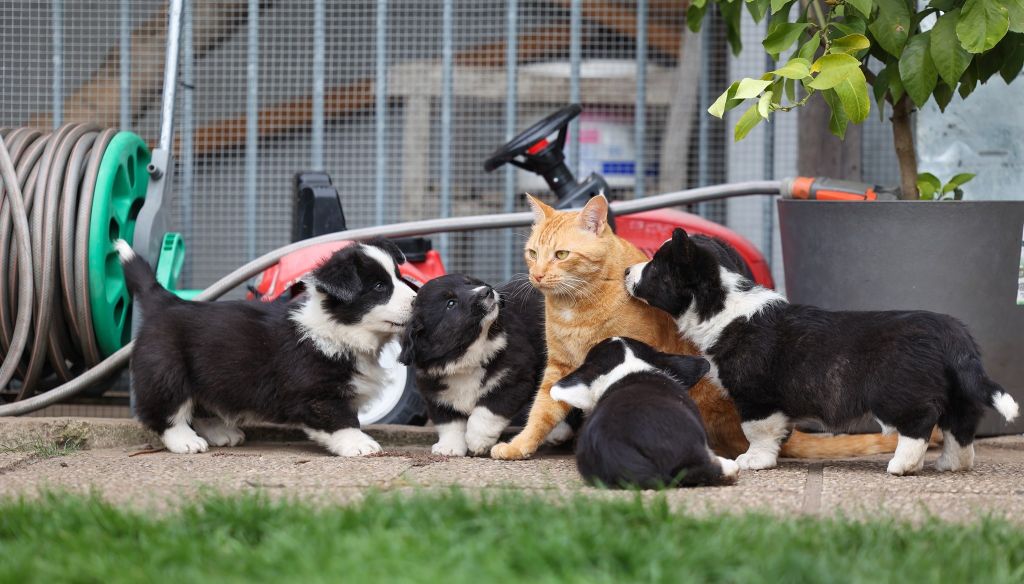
(903, 139)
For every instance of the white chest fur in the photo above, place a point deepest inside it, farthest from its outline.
(368, 378)
(464, 389)
(464, 379)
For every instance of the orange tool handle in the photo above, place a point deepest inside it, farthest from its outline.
(829, 189)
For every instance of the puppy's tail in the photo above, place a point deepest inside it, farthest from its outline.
(976, 385)
(137, 274)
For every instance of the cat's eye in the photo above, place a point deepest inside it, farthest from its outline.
(379, 286)
(532, 253)
(561, 254)
(451, 304)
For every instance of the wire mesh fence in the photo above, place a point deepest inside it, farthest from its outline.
(399, 101)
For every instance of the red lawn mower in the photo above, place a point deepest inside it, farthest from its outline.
(538, 149)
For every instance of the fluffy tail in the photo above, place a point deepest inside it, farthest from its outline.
(974, 384)
(137, 274)
(802, 445)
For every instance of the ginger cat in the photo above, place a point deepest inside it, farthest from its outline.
(578, 263)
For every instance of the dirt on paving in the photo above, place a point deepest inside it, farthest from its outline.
(140, 475)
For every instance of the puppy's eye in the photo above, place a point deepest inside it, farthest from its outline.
(451, 304)
(532, 253)
(561, 254)
(379, 286)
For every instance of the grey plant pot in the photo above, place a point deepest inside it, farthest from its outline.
(959, 258)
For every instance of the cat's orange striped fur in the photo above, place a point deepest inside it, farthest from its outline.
(578, 263)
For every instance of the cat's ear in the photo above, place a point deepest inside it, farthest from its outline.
(594, 215)
(540, 210)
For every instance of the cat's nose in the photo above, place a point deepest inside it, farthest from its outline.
(537, 277)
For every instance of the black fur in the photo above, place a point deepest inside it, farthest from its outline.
(245, 359)
(910, 369)
(644, 431)
(448, 318)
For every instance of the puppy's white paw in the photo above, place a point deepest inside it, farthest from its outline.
(449, 448)
(352, 442)
(560, 434)
(900, 467)
(183, 440)
(217, 432)
(479, 444)
(730, 469)
(756, 460)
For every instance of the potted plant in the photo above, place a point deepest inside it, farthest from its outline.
(961, 258)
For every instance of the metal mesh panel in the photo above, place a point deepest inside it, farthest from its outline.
(232, 187)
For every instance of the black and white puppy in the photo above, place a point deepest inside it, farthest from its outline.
(311, 365)
(479, 357)
(781, 362)
(642, 429)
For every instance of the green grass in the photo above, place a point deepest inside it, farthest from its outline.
(46, 449)
(457, 538)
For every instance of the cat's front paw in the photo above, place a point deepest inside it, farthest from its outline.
(756, 460)
(509, 451)
(449, 448)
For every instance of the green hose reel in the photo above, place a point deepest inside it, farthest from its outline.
(120, 192)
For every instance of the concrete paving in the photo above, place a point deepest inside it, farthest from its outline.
(131, 472)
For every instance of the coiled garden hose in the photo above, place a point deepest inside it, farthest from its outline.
(48, 241)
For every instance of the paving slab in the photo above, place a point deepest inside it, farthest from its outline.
(135, 473)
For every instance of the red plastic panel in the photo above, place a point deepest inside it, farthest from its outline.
(281, 277)
(649, 229)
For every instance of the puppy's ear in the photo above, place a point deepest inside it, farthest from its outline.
(686, 369)
(540, 210)
(409, 336)
(335, 278)
(594, 215)
(388, 246)
(574, 393)
(681, 244)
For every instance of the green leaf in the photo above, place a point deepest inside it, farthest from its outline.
(783, 36)
(850, 43)
(917, 70)
(764, 104)
(943, 95)
(950, 59)
(853, 94)
(750, 119)
(880, 87)
(795, 68)
(891, 26)
(695, 16)
(731, 12)
(927, 185)
(958, 181)
(1015, 10)
(862, 6)
(757, 9)
(834, 69)
(778, 5)
(968, 81)
(838, 121)
(726, 101)
(983, 23)
(1013, 63)
(748, 88)
(809, 48)
(943, 5)
(790, 88)
(896, 89)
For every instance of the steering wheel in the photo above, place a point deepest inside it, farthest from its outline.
(533, 140)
